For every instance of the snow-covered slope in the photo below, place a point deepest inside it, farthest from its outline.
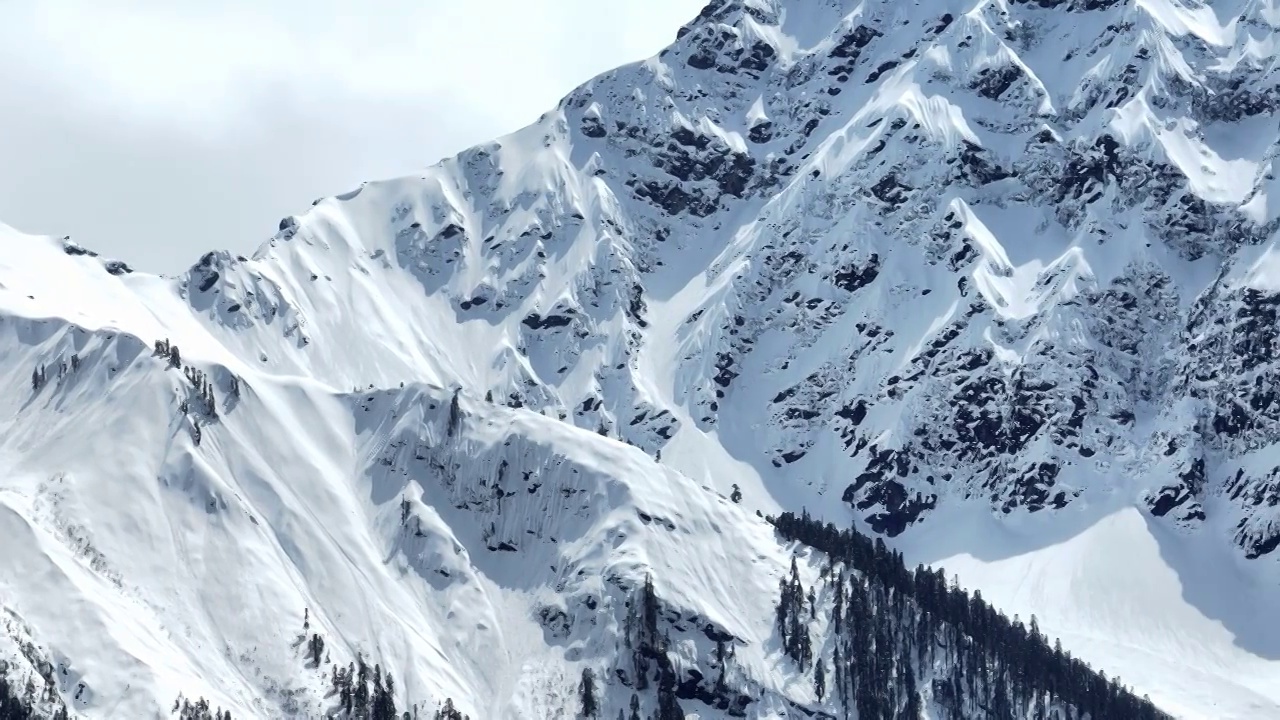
(994, 279)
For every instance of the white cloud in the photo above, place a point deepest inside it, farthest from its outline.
(155, 130)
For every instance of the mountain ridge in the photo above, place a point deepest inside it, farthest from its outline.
(853, 258)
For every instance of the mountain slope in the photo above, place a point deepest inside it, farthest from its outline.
(477, 552)
(905, 264)
(373, 511)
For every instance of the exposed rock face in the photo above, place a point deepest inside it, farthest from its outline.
(864, 258)
(979, 262)
(928, 255)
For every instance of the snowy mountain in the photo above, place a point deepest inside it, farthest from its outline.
(994, 280)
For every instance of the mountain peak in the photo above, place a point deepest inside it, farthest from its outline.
(993, 282)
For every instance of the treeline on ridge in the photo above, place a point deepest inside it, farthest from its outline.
(895, 631)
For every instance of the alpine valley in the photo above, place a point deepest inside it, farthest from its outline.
(848, 359)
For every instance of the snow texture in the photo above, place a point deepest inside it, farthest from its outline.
(997, 279)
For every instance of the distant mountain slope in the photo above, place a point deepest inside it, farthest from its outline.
(993, 280)
(245, 537)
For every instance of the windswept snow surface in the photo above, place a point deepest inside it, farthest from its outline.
(996, 280)
(150, 565)
(1189, 624)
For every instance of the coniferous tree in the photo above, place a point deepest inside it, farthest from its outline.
(449, 712)
(316, 649)
(346, 696)
(649, 611)
(360, 695)
(722, 661)
(841, 690)
(645, 642)
(383, 706)
(587, 694)
(668, 705)
(889, 621)
(911, 711)
(455, 413)
(793, 627)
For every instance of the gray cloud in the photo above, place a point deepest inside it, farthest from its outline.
(153, 131)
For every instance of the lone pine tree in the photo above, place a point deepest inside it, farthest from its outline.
(587, 694)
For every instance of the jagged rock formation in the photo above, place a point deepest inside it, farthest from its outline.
(885, 260)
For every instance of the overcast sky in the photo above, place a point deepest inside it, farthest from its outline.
(154, 130)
